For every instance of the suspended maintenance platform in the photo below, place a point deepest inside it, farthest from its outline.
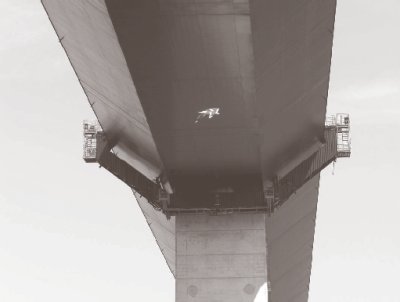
(214, 113)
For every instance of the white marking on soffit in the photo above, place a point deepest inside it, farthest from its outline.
(210, 112)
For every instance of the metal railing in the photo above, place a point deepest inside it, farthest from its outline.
(341, 122)
(90, 130)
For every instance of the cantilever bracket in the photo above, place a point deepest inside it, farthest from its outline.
(304, 167)
(300, 157)
(267, 197)
(98, 149)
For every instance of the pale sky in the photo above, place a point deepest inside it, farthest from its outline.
(70, 231)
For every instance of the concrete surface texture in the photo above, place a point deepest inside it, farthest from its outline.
(235, 257)
(88, 37)
(290, 238)
(220, 258)
(149, 67)
(163, 230)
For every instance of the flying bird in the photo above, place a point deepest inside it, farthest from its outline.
(208, 112)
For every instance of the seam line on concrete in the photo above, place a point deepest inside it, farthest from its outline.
(227, 230)
(223, 254)
(112, 105)
(219, 278)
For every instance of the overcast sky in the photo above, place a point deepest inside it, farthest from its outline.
(70, 231)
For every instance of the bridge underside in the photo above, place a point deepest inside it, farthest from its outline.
(149, 67)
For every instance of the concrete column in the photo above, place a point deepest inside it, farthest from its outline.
(220, 258)
(224, 258)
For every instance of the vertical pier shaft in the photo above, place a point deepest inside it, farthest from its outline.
(220, 258)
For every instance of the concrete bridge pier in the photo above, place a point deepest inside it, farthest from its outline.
(220, 258)
(229, 257)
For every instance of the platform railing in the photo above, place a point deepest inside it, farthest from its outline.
(90, 130)
(341, 122)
